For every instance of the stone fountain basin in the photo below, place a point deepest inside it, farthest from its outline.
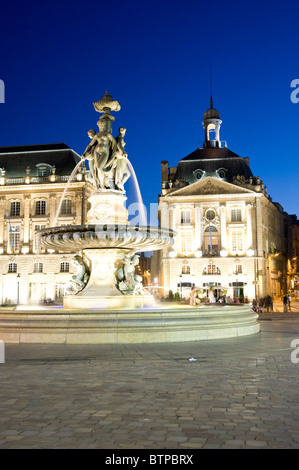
(79, 237)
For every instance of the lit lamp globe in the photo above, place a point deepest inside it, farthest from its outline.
(172, 254)
(250, 252)
(198, 254)
(223, 253)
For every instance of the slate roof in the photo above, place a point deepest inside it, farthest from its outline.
(209, 160)
(16, 159)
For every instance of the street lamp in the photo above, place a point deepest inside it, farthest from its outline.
(18, 290)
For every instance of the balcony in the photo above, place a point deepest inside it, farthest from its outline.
(213, 252)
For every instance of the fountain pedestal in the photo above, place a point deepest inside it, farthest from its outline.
(101, 291)
(107, 207)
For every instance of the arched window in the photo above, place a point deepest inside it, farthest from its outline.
(211, 269)
(211, 238)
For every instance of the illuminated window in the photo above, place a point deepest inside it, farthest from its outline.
(40, 208)
(15, 208)
(211, 238)
(14, 237)
(186, 242)
(211, 269)
(38, 267)
(238, 269)
(64, 267)
(237, 241)
(236, 215)
(66, 207)
(12, 267)
(185, 217)
(185, 269)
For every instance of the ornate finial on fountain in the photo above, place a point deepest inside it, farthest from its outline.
(105, 106)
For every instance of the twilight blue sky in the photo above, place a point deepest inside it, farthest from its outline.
(58, 57)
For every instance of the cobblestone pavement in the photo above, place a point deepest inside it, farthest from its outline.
(239, 393)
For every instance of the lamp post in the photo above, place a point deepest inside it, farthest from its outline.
(18, 288)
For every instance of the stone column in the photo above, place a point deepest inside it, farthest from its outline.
(26, 219)
(78, 209)
(198, 226)
(249, 226)
(223, 227)
(2, 218)
(52, 203)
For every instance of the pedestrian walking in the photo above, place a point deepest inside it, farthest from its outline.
(261, 305)
(285, 303)
(289, 302)
(192, 297)
(269, 303)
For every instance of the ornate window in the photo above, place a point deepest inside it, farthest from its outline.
(40, 207)
(66, 207)
(185, 216)
(221, 172)
(15, 208)
(236, 215)
(186, 242)
(211, 238)
(210, 214)
(237, 241)
(211, 269)
(12, 267)
(38, 267)
(14, 237)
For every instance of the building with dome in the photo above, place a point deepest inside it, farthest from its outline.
(230, 235)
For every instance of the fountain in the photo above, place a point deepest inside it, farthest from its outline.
(106, 246)
(105, 301)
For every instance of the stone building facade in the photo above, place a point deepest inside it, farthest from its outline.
(32, 182)
(230, 235)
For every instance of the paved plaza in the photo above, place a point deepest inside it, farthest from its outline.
(238, 393)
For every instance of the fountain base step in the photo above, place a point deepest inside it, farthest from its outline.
(152, 325)
(107, 302)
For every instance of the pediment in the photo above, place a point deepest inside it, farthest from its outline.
(209, 186)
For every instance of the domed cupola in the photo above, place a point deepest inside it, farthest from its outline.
(211, 123)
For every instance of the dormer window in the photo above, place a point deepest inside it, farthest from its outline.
(43, 169)
(198, 174)
(221, 172)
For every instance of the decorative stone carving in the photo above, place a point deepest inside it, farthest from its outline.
(127, 281)
(106, 155)
(80, 279)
